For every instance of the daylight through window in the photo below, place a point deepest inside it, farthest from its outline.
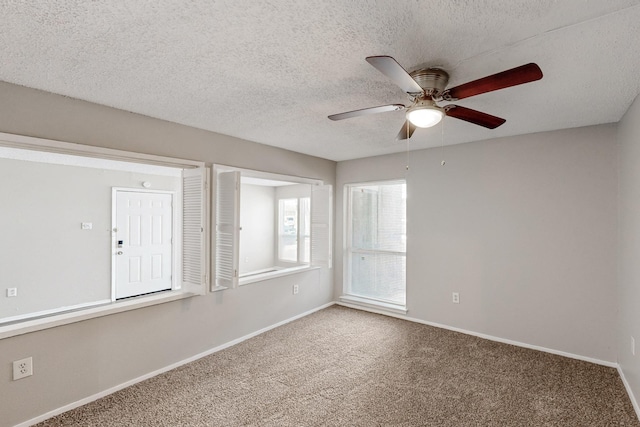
(264, 225)
(376, 246)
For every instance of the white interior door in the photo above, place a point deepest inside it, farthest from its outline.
(143, 245)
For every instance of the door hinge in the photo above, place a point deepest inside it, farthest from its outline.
(206, 279)
(235, 273)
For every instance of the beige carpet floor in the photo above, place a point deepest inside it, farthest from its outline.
(344, 367)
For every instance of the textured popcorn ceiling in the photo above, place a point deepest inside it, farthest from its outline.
(271, 71)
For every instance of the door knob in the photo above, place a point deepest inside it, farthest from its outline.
(119, 252)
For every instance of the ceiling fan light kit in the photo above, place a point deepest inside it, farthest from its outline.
(425, 87)
(425, 114)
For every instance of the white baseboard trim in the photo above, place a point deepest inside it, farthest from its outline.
(485, 336)
(615, 365)
(376, 305)
(632, 397)
(126, 384)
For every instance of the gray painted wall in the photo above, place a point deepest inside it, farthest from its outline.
(629, 246)
(524, 228)
(78, 360)
(43, 206)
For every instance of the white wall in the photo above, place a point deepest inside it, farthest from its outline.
(629, 246)
(293, 191)
(257, 238)
(51, 261)
(78, 360)
(524, 228)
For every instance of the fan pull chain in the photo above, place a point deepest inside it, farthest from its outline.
(407, 147)
(442, 163)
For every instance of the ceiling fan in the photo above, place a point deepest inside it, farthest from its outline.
(427, 86)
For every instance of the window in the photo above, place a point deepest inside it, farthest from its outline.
(376, 242)
(265, 225)
(68, 234)
(294, 230)
(288, 230)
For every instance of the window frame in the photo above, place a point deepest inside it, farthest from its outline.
(321, 261)
(360, 300)
(303, 221)
(62, 316)
(280, 232)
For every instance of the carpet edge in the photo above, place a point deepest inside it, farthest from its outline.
(484, 336)
(627, 386)
(167, 368)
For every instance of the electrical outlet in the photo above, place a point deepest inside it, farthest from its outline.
(12, 292)
(22, 368)
(455, 297)
(295, 289)
(86, 225)
(633, 346)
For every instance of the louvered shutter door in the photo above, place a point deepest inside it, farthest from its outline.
(321, 209)
(193, 229)
(227, 228)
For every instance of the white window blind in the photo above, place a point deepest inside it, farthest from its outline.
(305, 230)
(377, 242)
(227, 228)
(321, 209)
(194, 212)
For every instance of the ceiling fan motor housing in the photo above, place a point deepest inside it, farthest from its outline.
(432, 80)
(428, 86)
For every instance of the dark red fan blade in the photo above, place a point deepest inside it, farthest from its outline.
(472, 116)
(513, 77)
(367, 111)
(390, 68)
(407, 130)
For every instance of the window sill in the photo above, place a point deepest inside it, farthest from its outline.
(369, 303)
(65, 318)
(273, 274)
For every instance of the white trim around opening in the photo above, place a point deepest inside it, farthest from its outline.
(65, 315)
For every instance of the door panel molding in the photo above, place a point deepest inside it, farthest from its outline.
(153, 222)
